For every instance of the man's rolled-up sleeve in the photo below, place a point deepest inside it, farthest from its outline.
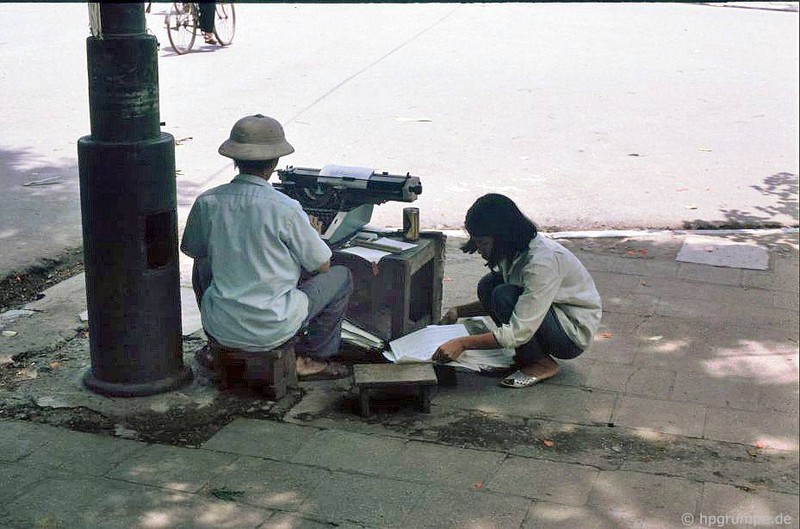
(195, 239)
(305, 243)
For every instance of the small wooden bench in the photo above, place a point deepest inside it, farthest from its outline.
(268, 372)
(370, 377)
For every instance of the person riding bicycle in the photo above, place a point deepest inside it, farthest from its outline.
(206, 17)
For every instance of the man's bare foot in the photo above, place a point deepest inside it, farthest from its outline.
(310, 369)
(542, 368)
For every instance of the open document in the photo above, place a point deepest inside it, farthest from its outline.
(420, 345)
(373, 248)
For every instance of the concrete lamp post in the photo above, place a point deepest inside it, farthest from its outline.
(129, 213)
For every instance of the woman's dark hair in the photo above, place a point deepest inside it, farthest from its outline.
(497, 216)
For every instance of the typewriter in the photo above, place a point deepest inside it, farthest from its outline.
(343, 197)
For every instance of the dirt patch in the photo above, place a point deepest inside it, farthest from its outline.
(23, 287)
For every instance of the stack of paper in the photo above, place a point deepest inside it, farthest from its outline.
(419, 346)
(373, 249)
(360, 338)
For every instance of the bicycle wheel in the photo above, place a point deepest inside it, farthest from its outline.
(181, 27)
(224, 23)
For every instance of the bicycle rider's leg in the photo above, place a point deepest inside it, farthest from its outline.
(206, 17)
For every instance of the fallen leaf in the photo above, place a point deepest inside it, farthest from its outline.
(605, 335)
(45, 182)
(478, 485)
(413, 120)
(643, 283)
(548, 443)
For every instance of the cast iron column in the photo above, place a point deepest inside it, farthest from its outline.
(129, 214)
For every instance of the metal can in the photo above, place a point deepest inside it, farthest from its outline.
(411, 224)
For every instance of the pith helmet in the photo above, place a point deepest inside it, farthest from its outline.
(256, 138)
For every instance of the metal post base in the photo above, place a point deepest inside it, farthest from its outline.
(117, 389)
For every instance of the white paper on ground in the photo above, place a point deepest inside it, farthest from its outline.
(420, 345)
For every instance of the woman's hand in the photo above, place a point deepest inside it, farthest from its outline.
(449, 351)
(450, 317)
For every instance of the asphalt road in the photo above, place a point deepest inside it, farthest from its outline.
(591, 116)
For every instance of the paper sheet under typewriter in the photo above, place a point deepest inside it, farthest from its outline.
(342, 197)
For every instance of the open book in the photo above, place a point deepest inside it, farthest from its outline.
(420, 345)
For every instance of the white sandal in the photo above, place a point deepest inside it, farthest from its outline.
(518, 380)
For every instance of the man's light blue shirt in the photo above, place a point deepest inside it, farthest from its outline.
(257, 241)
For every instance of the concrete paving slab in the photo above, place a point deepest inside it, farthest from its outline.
(729, 392)
(546, 515)
(565, 403)
(337, 450)
(650, 382)
(372, 501)
(710, 274)
(269, 484)
(650, 499)
(445, 465)
(785, 300)
(84, 453)
(608, 376)
(613, 347)
(763, 508)
(283, 520)
(646, 268)
(170, 467)
(772, 430)
(55, 319)
(678, 418)
(109, 504)
(544, 480)
(267, 439)
(715, 251)
(444, 508)
(633, 304)
(16, 478)
(740, 296)
(19, 439)
(784, 398)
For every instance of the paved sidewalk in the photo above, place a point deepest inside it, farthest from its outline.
(683, 414)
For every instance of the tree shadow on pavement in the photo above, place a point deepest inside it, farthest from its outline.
(783, 187)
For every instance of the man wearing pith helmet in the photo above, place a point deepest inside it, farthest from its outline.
(261, 271)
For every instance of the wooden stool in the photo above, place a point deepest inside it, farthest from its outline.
(268, 372)
(369, 377)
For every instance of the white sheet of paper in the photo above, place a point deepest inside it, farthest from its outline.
(370, 254)
(420, 345)
(393, 243)
(359, 173)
